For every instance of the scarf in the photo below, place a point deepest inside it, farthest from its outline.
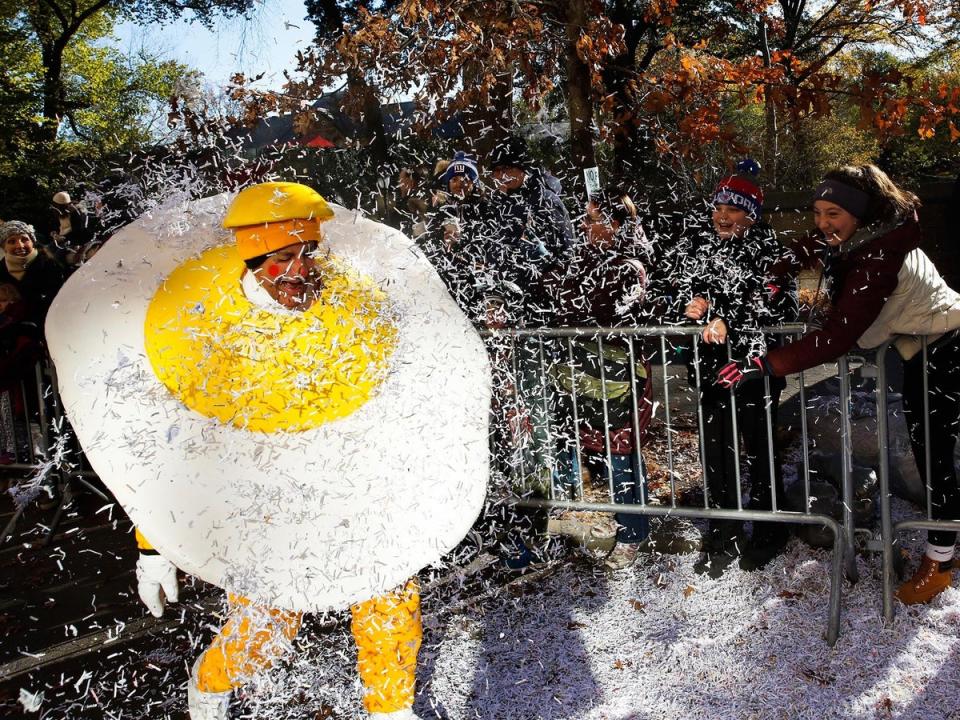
(17, 265)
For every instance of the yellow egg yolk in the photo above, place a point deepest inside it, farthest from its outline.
(226, 358)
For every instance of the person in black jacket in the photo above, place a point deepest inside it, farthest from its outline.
(604, 286)
(528, 232)
(455, 238)
(68, 227)
(37, 277)
(524, 232)
(726, 285)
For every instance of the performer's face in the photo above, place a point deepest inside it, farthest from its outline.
(290, 276)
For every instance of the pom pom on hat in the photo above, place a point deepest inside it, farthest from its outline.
(741, 191)
(462, 164)
(748, 166)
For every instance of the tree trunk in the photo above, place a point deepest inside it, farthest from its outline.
(53, 38)
(771, 138)
(579, 99)
(489, 118)
(373, 133)
(52, 110)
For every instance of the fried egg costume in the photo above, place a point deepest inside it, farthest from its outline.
(303, 459)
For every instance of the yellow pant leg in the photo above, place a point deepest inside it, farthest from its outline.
(142, 542)
(388, 634)
(252, 638)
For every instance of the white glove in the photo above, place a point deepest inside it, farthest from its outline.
(156, 581)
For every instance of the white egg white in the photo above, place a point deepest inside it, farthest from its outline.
(309, 521)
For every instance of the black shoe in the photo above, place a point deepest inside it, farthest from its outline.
(721, 545)
(49, 497)
(768, 541)
(713, 564)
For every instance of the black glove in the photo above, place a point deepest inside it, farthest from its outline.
(736, 371)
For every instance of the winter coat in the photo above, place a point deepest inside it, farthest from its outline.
(81, 228)
(20, 345)
(460, 264)
(39, 285)
(526, 233)
(881, 286)
(735, 276)
(603, 288)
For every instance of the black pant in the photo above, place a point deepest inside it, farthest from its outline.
(719, 446)
(943, 384)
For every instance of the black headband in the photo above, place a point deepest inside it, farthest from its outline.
(854, 201)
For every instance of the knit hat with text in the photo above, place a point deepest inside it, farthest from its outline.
(740, 190)
(462, 164)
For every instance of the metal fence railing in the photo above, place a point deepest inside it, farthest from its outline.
(40, 448)
(553, 416)
(890, 531)
(547, 386)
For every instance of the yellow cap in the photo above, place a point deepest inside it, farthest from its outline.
(269, 216)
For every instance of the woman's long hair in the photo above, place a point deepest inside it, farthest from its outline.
(888, 202)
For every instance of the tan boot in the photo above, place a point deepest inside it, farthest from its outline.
(927, 582)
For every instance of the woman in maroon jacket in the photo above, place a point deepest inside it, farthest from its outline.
(883, 287)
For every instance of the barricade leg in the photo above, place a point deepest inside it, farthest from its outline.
(836, 580)
(886, 521)
(849, 529)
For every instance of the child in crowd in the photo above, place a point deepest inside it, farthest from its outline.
(723, 278)
(604, 286)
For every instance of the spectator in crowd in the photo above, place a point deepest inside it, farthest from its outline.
(20, 349)
(525, 232)
(604, 286)
(68, 227)
(725, 284)
(529, 233)
(406, 208)
(116, 201)
(455, 237)
(883, 288)
(37, 277)
(86, 253)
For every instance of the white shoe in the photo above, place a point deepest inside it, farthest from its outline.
(623, 556)
(405, 714)
(206, 705)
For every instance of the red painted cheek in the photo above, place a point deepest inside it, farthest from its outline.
(273, 270)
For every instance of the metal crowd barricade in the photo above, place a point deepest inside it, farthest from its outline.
(889, 531)
(552, 346)
(560, 343)
(69, 473)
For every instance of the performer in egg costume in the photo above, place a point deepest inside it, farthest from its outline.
(277, 227)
